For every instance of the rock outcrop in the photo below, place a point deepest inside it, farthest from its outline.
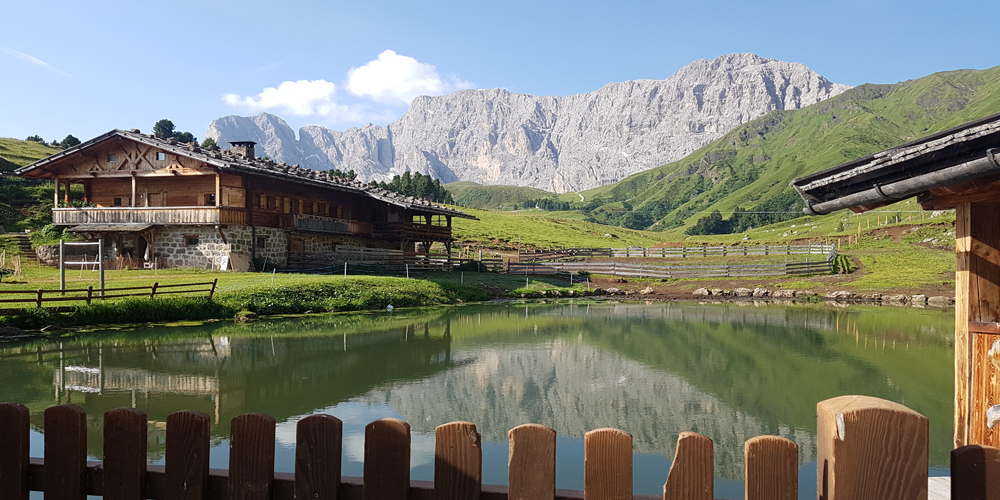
(557, 143)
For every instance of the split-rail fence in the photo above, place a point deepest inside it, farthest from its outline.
(40, 296)
(867, 448)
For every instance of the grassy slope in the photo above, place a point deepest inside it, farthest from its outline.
(470, 194)
(756, 161)
(16, 153)
(503, 230)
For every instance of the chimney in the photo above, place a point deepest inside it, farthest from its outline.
(243, 149)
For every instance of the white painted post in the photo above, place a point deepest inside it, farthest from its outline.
(273, 270)
(100, 261)
(62, 267)
(407, 271)
(345, 270)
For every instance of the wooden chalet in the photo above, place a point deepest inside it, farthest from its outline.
(954, 169)
(179, 205)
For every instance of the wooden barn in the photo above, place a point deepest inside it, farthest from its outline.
(178, 205)
(954, 169)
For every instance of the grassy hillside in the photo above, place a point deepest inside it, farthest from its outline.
(16, 153)
(748, 169)
(470, 194)
(23, 204)
(536, 229)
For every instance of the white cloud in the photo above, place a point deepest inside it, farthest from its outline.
(33, 60)
(302, 98)
(397, 79)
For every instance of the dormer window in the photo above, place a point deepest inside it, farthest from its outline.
(111, 158)
(161, 156)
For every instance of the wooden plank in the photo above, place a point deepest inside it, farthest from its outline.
(387, 460)
(975, 473)
(691, 473)
(65, 453)
(458, 461)
(607, 465)
(984, 390)
(251, 457)
(772, 469)
(317, 457)
(188, 436)
(870, 449)
(531, 464)
(125, 454)
(15, 449)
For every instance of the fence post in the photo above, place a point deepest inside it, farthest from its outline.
(458, 462)
(692, 471)
(152, 290)
(125, 454)
(38, 300)
(387, 460)
(15, 445)
(771, 465)
(531, 471)
(65, 453)
(251, 457)
(90, 293)
(318, 445)
(607, 464)
(870, 449)
(212, 291)
(975, 472)
(62, 267)
(186, 454)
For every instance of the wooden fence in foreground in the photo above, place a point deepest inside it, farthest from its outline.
(868, 448)
(39, 297)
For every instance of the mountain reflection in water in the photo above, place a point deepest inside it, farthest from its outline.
(728, 371)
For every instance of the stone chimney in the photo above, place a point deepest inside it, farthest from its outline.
(243, 149)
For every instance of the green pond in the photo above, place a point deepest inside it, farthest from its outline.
(729, 371)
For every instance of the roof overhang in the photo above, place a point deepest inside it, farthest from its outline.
(947, 164)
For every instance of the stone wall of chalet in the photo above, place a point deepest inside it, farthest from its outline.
(203, 247)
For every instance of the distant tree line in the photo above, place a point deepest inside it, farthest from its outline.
(164, 129)
(68, 142)
(547, 204)
(785, 206)
(417, 185)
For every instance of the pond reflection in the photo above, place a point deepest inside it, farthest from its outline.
(728, 371)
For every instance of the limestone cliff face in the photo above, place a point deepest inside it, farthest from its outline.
(555, 143)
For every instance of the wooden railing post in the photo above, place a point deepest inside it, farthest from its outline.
(387, 460)
(65, 453)
(187, 455)
(317, 457)
(251, 457)
(975, 473)
(531, 463)
(772, 469)
(212, 291)
(90, 294)
(38, 300)
(125, 454)
(152, 290)
(458, 462)
(607, 464)
(14, 451)
(692, 471)
(870, 449)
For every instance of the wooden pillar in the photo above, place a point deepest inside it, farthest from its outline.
(133, 191)
(977, 310)
(55, 196)
(218, 189)
(66, 194)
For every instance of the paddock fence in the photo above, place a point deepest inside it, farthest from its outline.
(87, 295)
(869, 449)
(653, 271)
(681, 252)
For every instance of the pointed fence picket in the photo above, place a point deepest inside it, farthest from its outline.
(867, 448)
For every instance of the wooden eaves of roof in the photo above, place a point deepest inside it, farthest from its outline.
(940, 169)
(226, 160)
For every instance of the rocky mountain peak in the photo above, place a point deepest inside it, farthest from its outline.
(557, 143)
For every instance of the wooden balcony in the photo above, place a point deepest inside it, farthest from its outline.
(410, 231)
(319, 224)
(148, 215)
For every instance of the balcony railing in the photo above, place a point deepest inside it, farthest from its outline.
(410, 231)
(319, 224)
(148, 215)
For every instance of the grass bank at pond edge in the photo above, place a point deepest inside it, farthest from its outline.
(334, 295)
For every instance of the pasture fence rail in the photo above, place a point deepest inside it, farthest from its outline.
(869, 448)
(680, 252)
(653, 271)
(40, 296)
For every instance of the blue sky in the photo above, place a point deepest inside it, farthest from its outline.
(84, 68)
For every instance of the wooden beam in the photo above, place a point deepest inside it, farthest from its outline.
(967, 192)
(55, 198)
(133, 192)
(66, 194)
(218, 189)
(977, 286)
